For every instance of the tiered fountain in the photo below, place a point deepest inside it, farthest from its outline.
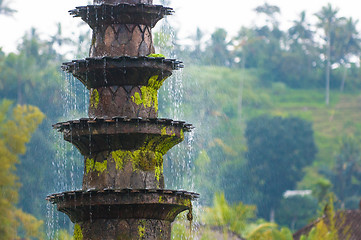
(123, 141)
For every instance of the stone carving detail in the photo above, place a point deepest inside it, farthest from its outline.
(122, 40)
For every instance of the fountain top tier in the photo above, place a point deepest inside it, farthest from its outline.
(122, 13)
(123, 1)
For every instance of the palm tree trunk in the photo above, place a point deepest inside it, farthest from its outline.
(343, 78)
(328, 68)
(243, 67)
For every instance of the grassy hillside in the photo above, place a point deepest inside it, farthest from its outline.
(214, 95)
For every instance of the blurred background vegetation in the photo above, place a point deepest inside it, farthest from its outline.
(274, 110)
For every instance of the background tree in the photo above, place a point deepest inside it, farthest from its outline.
(234, 218)
(278, 150)
(347, 172)
(271, 38)
(5, 9)
(287, 215)
(196, 54)
(328, 19)
(298, 63)
(346, 44)
(32, 76)
(217, 50)
(271, 12)
(16, 126)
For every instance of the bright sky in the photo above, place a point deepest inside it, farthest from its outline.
(189, 14)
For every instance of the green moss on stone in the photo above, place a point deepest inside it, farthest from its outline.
(78, 234)
(167, 143)
(119, 157)
(89, 165)
(141, 229)
(182, 134)
(155, 55)
(148, 95)
(94, 99)
(159, 166)
(164, 131)
(101, 167)
(141, 160)
(137, 99)
(144, 160)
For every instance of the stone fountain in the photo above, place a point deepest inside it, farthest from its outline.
(123, 142)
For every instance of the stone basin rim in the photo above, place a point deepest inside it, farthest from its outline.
(175, 64)
(54, 198)
(167, 10)
(121, 119)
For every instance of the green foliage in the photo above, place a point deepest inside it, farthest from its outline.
(16, 126)
(234, 218)
(347, 170)
(63, 235)
(327, 228)
(217, 52)
(278, 148)
(266, 230)
(296, 212)
(31, 76)
(319, 184)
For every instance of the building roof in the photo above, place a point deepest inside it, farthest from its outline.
(348, 225)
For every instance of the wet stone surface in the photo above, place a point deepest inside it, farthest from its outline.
(129, 229)
(140, 170)
(121, 40)
(119, 101)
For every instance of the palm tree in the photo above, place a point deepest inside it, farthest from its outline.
(5, 9)
(271, 11)
(327, 17)
(347, 44)
(300, 32)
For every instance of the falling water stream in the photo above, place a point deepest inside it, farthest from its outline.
(178, 165)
